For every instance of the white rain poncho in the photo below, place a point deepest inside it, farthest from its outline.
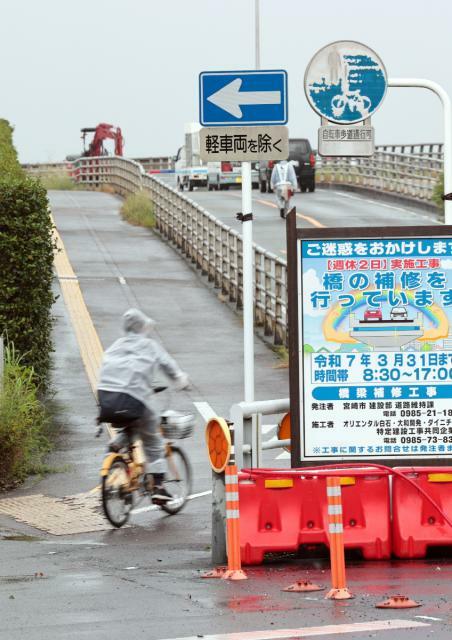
(131, 363)
(283, 178)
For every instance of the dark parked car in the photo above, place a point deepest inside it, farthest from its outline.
(303, 160)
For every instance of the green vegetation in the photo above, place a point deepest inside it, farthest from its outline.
(9, 164)
(283, 354)
(26, 261)
(137, 209)
(24, 423)
(59, 181)
(26, 298)
(438, 191)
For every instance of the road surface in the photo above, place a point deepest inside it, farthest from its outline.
(144, 580)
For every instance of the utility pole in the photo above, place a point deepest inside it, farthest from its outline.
(257, 34)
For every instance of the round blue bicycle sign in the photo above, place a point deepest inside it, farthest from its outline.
(345, 82)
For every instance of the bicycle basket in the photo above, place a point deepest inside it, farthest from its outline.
(177, 424)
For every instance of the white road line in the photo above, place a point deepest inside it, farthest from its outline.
(200, 495)
(205, 410)
(150, 507)
(154, 507)
(388, 206)
(306, 632)
(347, 195)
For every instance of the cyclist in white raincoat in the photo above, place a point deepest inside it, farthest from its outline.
(125, 385)
(283, 181)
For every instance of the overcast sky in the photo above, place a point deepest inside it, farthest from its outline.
(67, 64)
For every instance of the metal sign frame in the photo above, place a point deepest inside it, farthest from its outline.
(294, 235)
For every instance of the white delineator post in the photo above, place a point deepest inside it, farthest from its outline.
(422, 83)
(248, 287)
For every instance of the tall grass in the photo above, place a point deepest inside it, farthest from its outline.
(137, 209)
(24, 423)
(58, 181)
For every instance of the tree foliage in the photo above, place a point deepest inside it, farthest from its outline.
(26, 261)
(9, 163)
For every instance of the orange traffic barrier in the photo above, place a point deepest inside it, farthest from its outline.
(231, 480)
(339, 589)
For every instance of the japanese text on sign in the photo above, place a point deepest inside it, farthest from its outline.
(244, 143)
(376, 347)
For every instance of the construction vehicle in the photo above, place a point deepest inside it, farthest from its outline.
(102, 132)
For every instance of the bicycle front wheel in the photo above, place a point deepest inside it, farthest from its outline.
(117, 498)
(178, 479)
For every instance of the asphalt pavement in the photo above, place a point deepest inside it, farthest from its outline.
(145, 579)
(323, 208)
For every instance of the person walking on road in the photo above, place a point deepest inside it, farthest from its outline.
(284, 183)
(125, 392)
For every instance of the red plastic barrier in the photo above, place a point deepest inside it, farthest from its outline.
(417, 524)
(282, 518)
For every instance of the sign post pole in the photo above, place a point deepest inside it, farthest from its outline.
(243, 113)
(247, 268)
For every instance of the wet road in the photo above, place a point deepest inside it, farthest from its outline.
(323, 208)
(145, 580)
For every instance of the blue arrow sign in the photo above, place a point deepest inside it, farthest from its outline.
(242, 98)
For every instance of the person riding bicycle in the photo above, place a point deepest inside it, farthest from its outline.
(284, 183)
(125, 391)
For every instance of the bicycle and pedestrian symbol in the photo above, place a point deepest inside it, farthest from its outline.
(345, 82)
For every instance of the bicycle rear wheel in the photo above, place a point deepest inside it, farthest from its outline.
(178, 479)
(117, 499)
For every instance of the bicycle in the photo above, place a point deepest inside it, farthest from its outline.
(355, 102)
(124, 481)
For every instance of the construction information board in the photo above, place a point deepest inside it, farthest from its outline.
(375, 346)
(244, 144)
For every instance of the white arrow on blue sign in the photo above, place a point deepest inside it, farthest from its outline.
(242, 98)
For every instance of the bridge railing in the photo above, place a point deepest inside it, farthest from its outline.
(411, 171)
(214, 248)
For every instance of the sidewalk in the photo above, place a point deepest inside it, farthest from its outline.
(119, 266)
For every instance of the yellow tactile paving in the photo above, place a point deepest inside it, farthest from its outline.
(89, 344)
(80, 513)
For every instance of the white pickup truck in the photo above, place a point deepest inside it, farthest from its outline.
(189, 176)
(190, 172)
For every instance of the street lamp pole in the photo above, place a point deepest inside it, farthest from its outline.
(257, 34)
(422, 83)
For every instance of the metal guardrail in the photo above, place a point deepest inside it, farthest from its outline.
(211, 246)
(407, 170)
(216, 249)
(411, 171)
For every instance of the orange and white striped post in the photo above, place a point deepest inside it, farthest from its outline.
(339, 589)
(231, 479)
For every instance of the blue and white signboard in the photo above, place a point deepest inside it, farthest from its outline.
(375, 327)
(345, 82)
(243, 98)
